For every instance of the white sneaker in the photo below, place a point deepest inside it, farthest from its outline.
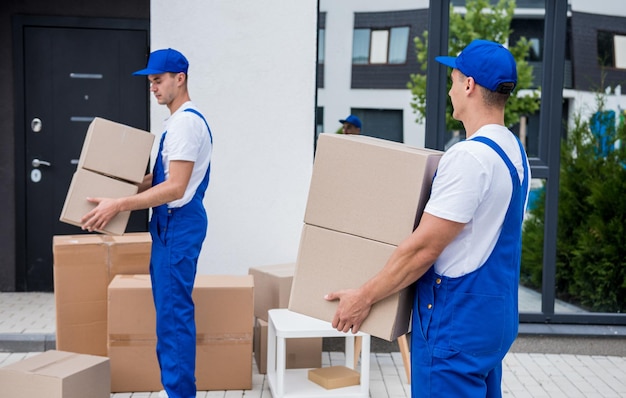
(163, 394)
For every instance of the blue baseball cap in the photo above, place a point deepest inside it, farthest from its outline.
(162, 61)
(490, 64)
(352, 120)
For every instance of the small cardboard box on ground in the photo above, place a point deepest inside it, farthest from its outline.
(300, 353)
(57, 374)
(366, 196)
(272, 288)
(84, 265)
(224, 322)
(112, 162)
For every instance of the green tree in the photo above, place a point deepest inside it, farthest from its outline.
(481, 21)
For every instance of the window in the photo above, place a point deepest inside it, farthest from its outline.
(380, 46)
(321, 42)
(611, 50)
(534, 52)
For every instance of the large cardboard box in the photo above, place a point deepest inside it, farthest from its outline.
(369, 187)
(224, 323)
(84, 265)
(57, 374)
(85, 184)
(300, 353)
(272, 287)
(330, 260)
(116, 150)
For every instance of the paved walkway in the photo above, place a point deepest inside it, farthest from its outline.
(27, 320)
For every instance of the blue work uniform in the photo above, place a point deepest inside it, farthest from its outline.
(177, 236)
(464, 326)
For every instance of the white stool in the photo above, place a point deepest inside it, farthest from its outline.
(285, 383)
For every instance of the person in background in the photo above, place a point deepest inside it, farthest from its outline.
(464, 256)
(178, 226)
(351, 125)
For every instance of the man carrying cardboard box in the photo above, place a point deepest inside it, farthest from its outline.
(174, 191)
(465, 252)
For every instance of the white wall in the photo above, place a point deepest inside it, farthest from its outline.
(605, 7)
(336, 97)
(252, 73)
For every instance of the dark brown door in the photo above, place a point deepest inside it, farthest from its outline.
(71, 75)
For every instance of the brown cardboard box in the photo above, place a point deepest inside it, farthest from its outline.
(335, 377)
(300, 353)
(224, 322)
(116, 150)
(57, 374)
(272, 287)
(87, 183)
(84, 265)
(328, 261)
(369, 187)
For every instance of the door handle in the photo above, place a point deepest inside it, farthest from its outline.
(36, 163)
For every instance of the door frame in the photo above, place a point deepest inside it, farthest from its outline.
(19, 22)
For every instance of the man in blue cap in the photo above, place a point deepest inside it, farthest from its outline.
(174, 191)
(351, 125)
(464, 255)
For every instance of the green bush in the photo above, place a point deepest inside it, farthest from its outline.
(591, 234)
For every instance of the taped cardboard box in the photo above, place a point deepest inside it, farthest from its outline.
(57, 374)
(84, 265)
(300, 353)
(224, 323)
(116, 150)
(329, 261)
(85, 184)
(369, 187)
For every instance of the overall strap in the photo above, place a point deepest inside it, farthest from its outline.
(203, 119)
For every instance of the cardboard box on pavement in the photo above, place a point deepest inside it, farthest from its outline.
(224, 323)
(272, 287)
(57, 374)
(84, 265)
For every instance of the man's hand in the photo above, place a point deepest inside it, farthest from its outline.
(351, 311)
(100, 216)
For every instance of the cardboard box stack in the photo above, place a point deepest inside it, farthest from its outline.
(112, 163)
(84, 265)
(224, 314)
(57, 374)
(272, 288)
(366, 196)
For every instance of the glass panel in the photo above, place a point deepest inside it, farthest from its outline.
(321, 43)
(590, 266)
(361, 46)
(398, 45)
(534, 52)
(531, 272)
(380, 43)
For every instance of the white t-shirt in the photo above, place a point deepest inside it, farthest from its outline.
(187, 139)
(473, 186)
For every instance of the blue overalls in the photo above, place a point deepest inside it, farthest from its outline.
(463, 327)
(177, 236)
